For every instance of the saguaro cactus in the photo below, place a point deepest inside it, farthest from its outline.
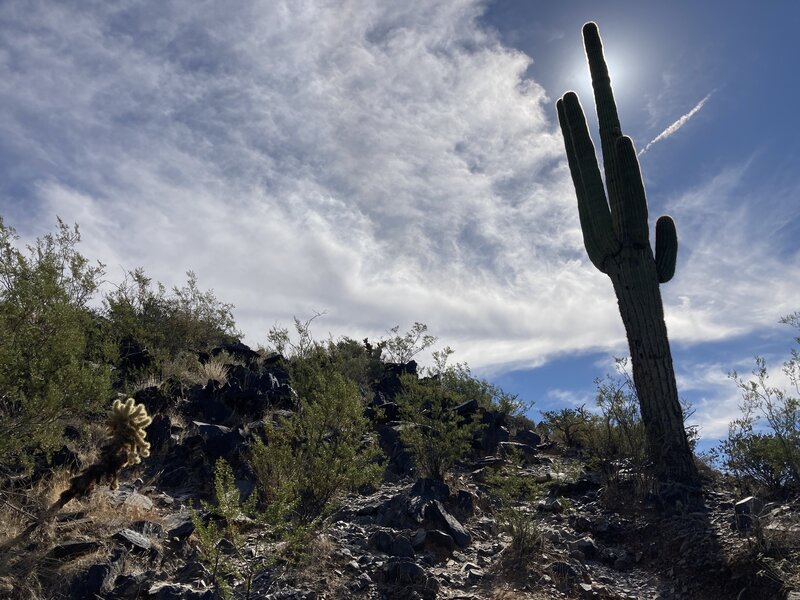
(616, 236)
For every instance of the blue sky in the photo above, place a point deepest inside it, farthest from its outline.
(396, 162)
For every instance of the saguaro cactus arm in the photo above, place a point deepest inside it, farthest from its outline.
(598, 234)
(666, 248)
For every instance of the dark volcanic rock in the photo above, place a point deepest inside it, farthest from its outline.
(526, 436)
(178, 526)
(439, 540)
(390, 384)
(237, 350)
(401, 546)
(153, 398)
(430, 489)
(381, 541)
(97, 578)
(71, 548)
(133, 540)
(400, 462)
(436, 515)
(218, 441)
(159, 432)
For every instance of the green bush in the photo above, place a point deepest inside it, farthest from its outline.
(52, 365)
(310, 458)
(515, 493)
(169, 325)
(570, 426)
(402, 348)
(763, 445)
(436, 435)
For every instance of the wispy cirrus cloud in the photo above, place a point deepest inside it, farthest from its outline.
(672, 129)
(384, 162)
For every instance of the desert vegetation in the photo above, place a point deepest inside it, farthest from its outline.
(283, 452)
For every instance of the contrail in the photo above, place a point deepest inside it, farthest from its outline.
(677, 124)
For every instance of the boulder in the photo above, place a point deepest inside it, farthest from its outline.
(153, 398)
(237, 350)
(437, 516)
(745, 511)
(97, 578)
(132, 540)
(69, 549)
(218, 441)
(159, 432)
(529, 437)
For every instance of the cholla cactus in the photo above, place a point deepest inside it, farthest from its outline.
(127, 423)
(127, 446)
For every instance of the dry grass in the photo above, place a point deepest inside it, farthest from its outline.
(191, 371)
(147, 382)
(318, 572)
(27, 571)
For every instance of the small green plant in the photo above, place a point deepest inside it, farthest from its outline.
(310, 458)
(221, 541)
(515, 494)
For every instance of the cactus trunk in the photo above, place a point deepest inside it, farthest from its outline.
(639, 298)
(616, 236)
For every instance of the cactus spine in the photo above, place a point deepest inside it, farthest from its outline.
(616, 236)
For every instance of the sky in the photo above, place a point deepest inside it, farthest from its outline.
(387, 163)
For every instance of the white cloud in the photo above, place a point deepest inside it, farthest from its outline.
(384, 162)
(677, 124)
(736, 271)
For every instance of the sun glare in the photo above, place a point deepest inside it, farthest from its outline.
(622, 68)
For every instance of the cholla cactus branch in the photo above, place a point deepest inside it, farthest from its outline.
(127, 423)
(127, 446)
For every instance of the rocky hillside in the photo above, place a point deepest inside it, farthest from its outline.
(517, 515)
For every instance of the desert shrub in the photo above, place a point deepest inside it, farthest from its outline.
(51, 365)
(312, 457)
(359, 362)
(569, 426)
(402, 348)
(763, 445)
(463, 383)
(436, 435)
(615, 438)
(152, 326)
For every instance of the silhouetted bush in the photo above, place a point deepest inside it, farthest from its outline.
(763, 445)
